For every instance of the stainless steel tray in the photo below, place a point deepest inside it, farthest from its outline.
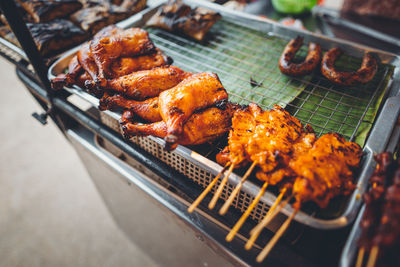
(376, 142)
(350, 249)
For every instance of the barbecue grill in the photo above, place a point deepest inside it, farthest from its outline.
(243, 50)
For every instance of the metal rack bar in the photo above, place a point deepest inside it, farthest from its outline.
(24, 37)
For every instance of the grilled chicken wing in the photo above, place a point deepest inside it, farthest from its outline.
(74, 70)
(148, 83)
(196, 92)
(147, 109)
(118, 43)
(201, 127)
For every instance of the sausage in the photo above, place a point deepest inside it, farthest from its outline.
(307, 66)
(364, 74)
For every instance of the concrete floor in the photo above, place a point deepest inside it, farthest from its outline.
(50, 211)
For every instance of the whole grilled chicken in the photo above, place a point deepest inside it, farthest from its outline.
(114, 43)
(196, 92)
(147, 83)
(201, 127)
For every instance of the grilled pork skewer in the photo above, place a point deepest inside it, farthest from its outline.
(374, 201)
(388, 231)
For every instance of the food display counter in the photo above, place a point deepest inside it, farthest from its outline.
(148, 188)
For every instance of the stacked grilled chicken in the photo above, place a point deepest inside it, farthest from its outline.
(129, 72)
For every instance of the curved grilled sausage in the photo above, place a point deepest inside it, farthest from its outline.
(364, 74)
(310, 63)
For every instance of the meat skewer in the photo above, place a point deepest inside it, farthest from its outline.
(373, 200)
(388, 231)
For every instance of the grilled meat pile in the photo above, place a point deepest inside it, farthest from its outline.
(127, 71)
(57, 25)
(290, 156)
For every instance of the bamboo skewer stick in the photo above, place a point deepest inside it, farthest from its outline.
(235, 191)
(264, 253)
(242, 219)
(373, 256)
(217, 194)
(208, 188)
(360, 257)
(266, 220)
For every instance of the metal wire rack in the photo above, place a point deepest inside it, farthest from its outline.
(246, 62)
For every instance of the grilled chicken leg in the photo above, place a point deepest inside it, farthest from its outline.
(201, 127)
(147, 83)
(147, 109)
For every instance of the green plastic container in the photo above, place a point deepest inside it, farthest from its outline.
(293, 6)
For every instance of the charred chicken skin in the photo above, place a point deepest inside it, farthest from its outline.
(201, 127)
(147, 83)
(196, 92)
(115, 43)
(126, 65)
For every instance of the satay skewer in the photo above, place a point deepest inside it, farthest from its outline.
(373, 256)
(265, 221)
(246, 214)
(360, 257)
(218, 193)
(208, 189)
(267, 249)
(235, 191)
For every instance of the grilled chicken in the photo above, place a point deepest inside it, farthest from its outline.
(127, 65)
(115, 43)
(196, 92)
(147, 109)
(201, 127)
(147, 83)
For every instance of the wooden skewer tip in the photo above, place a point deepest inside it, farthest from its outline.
(208, 188)
(267, 249)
